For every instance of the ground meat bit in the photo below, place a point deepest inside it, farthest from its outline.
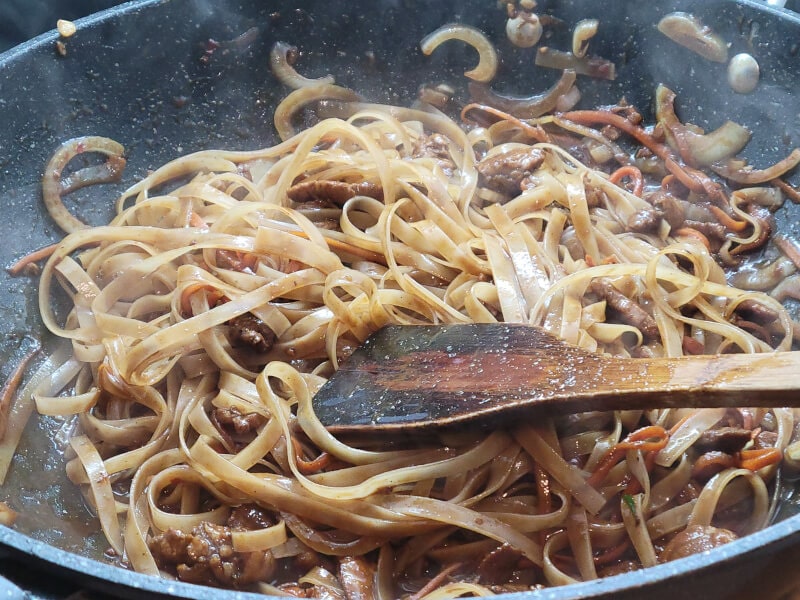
(434, 146)
(241, 422)
(756, 312)
(724, 439)
(669, 206)
(357, 577)
(337, 192)
(249, 517)
(504, 173)
(709, 464)
(206, 557)
(695, 539)
(765, 439)
(714, 231)
(644, 221)
(249, 330)
(628, 310)
(497, 566)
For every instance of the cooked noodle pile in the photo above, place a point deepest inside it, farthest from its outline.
(232, 284)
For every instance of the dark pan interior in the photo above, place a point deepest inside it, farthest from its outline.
(144, 73)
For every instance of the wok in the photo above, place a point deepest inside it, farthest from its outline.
(146, 74)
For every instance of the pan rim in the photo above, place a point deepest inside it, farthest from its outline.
(102, 575)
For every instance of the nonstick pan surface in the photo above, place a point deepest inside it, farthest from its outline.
(148, 75)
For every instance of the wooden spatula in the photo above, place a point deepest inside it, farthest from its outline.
(413, 378)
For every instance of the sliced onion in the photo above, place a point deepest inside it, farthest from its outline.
(289, 106)
(747, 175)
(698, 149)
(524, 107)
(281, 64)
(487, 63)
(53, 186)
(593, 66)
(686, 30)
(584, 31)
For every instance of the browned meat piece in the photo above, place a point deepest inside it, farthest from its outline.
(756, 312)
(497, 567)
(670, 207)
(724, 439)
(765, 439)
(644, 221)
(357, 577)
(711, 463)
(249, 517)
(713, 231)
(504, 173)
(249, 330)
(434, 146)
(696, 539)
(629, 311)
(337, 192)
(206, 556)
(240, 422)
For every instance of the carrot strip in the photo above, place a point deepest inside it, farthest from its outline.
(647, 439)
(678, 425)
(693, 233)
(789, 248)
(535, 132)
(630, 172)
(308, 467)
(728, 221)
(754, 460)
(349, 248)
(186, 307)
(196, 220)
(435, 582)
(10, 389)
(31, 258)
(791, 191)
(695, 180)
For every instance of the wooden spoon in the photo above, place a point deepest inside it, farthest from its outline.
(406, 379)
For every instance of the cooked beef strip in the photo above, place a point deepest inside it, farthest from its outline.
(629, 311)
(504, 173)
(249, 330)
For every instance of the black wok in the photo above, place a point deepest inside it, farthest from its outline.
(145, 74)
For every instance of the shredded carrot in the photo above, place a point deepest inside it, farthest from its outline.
(308, 467)
(728, 221)
(693, 233)
(196, 220)
(10, 389)
(754, 460)
(791, 192)
(629, 172)
(348, 248)
(692, 178)
(535, 132)
(789, 248)
(678, 425)
(634, 485)
(435, 582)
(29, 259)
(186, 307)
(647, 439)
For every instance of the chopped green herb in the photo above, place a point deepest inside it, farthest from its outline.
(628, 499)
